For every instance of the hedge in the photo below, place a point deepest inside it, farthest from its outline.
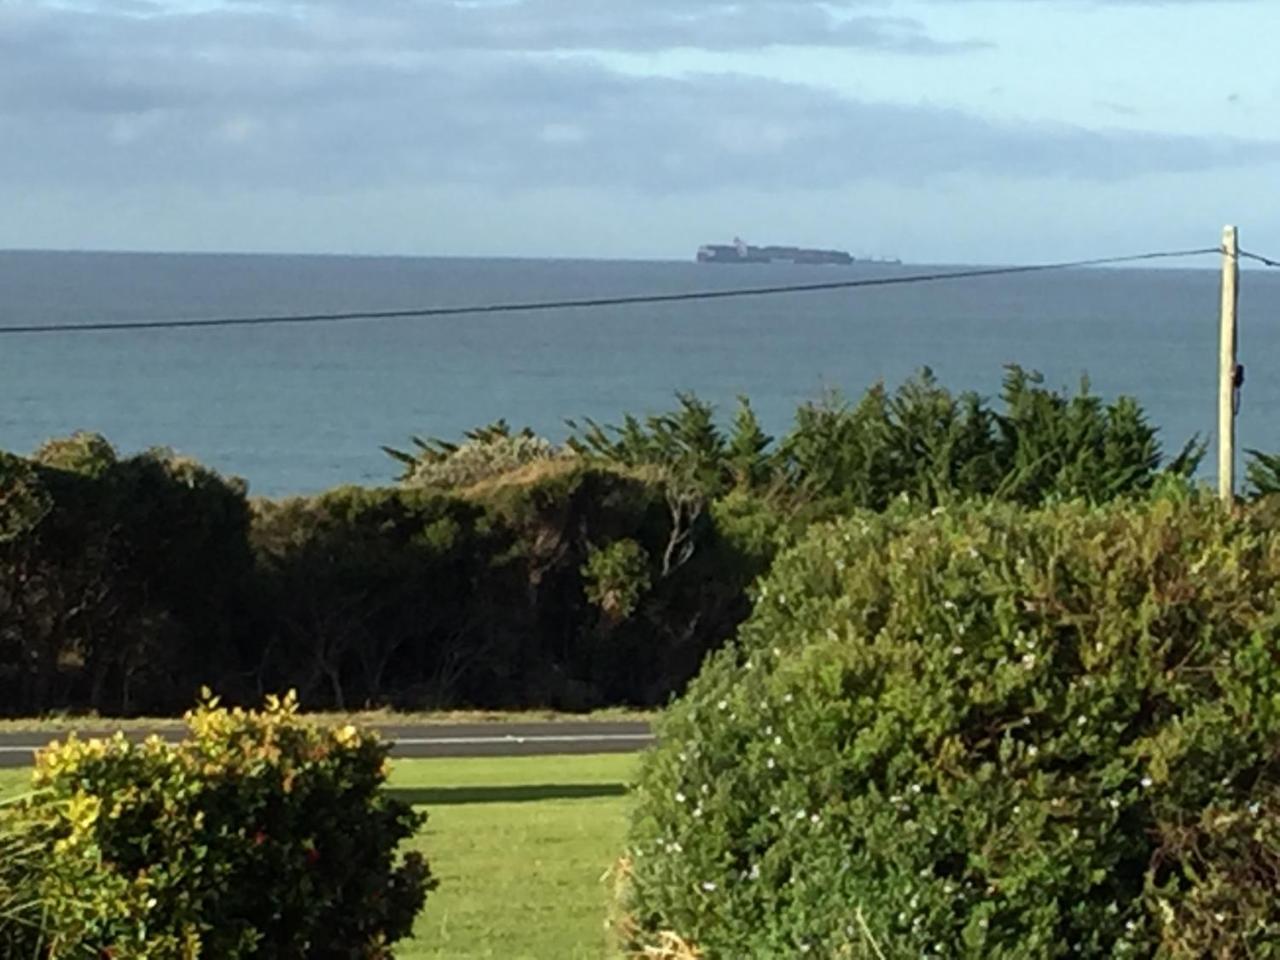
(982, 733)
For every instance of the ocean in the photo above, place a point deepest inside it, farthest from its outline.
(300, 408)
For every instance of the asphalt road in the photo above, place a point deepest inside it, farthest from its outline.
(423, 740)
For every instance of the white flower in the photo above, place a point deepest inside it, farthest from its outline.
(769, 763)
(1115, 803)
(755, 872)
(788, 698)
(777, 741)
(679, 797)
(957, 651)
(709, 887)
(800, 814)
(723, 704)
(1029, 661)
(1146, 783)
(1032, 750)
(1081, 720)
(1254, 808)
(915, 788)
(815, 819)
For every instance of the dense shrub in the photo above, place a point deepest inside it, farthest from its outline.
(122, 580)
(259, 836)
(982, 733)
(21, 914)
(502, 572)
(920, 441)
(486, 452)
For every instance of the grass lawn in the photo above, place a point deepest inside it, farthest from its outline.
(520, 846)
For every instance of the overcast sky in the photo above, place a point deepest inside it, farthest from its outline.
(933, 130)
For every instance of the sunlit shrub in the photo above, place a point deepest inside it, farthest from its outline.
(982, 733)
(260, 835)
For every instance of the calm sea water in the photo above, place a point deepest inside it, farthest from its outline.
(300, 408)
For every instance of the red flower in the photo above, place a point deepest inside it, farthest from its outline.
(259, 838)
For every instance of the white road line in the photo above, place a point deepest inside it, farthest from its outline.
(465, 741)
(510, 738)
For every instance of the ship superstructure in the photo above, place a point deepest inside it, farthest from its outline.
(742, 252)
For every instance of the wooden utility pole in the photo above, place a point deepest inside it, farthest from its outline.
(1227, 365)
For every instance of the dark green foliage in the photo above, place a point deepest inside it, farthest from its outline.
(920, 441)
(686, 444)
(616, 577)
(982, 733)
(504, 572)
(1263, 473)
(109, 569)
(258, 836)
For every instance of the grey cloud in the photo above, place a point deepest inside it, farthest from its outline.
(520, 124)
(535, 25)
(235, 98)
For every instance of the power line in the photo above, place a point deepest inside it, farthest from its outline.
(1259, 258)
(594, 302)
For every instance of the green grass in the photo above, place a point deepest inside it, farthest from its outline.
(520, 846)
(13, 782)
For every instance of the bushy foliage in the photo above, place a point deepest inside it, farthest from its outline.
(503, 572)
(1263, 473)
(616, 577)
(260, 835)
(921, 441)
(982, 733)
(109, 569)
(21, 911)
(686, 444)
(486, 452)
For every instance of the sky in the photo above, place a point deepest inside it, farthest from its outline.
(943, 131)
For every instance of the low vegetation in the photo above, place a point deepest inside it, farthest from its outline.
(519, 845)
(503, 572)
(984, 733)
(260, 835)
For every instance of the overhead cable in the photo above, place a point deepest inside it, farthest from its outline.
(593, 302)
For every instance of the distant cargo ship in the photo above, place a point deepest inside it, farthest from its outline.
(740, 252)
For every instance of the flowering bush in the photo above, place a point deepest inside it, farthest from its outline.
(985, 734)
(261, 835)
